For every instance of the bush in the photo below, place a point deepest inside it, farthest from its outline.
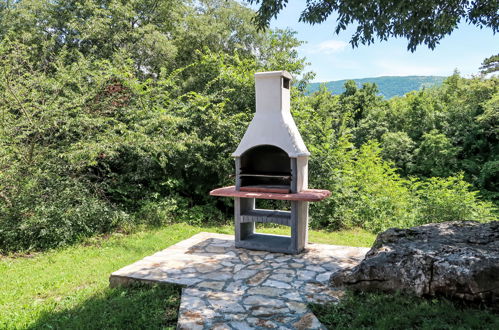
(383, 198)
(366, 192)
(489, 180)
(158, 212)
(47, 211)
(449, 199)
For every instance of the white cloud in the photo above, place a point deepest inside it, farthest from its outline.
(332, 46)
(327, 47)
(330, 69)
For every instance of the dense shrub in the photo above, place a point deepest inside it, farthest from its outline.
(367, 190)
(90, 148)
(46, 210)
(449, 199)
(107, 124)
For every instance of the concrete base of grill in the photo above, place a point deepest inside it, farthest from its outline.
(246, 216)
(265, 242)
(243, 289)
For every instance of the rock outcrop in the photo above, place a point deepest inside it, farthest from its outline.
(455, 259)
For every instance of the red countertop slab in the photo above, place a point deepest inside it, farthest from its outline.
(309, 195)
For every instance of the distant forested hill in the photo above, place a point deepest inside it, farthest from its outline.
(388, 86)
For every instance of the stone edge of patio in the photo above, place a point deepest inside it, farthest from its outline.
(223, 287)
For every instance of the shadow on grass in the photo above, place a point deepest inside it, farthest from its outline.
(137, 307)
(400, 311)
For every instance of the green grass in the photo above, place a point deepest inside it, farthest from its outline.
(398, 311)
(68, 288)
(138, 307)
(350, 237)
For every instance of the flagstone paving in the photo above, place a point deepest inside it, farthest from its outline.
(229, 288)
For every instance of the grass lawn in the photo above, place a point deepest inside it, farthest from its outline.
(398, 311)
(68, 288)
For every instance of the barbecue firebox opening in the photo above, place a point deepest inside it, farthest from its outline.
(265, 168)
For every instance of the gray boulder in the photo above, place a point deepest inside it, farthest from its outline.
(457, 259)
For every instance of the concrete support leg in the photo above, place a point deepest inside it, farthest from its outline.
(243, 230)
(299, 226)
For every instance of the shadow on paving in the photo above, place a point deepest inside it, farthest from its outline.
(140, 306)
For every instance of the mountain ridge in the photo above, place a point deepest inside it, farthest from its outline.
(389, 86)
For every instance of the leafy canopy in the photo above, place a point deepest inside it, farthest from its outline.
(122, 113)
(490, 64)
(420, 22)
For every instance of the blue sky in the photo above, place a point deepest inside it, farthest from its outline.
(332, 57)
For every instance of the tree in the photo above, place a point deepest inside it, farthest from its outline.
(436, 156)
(490, 64)
(398, 147)
(420, 22)
(126, 110)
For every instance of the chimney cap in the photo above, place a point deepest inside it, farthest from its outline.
(272, 74)
(273, 123)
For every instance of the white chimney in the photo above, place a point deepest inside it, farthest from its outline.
(273, 123)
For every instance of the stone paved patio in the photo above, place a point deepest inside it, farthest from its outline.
(229, 288)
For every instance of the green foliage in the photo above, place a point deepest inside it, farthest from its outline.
(102, 139)
(435, 156)
(400, 311)
(424, 23)
(489, 179)
(47, 210)
(159, 212)
(388, 86)
(436, 131)
(382, 198)
(113, 116)
(454, 128)
(118, 114)
(398, 148)
(368, 191)
(490, 65)
(216, 25)
(449, 199)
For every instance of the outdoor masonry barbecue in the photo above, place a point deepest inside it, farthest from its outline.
(272, 163)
